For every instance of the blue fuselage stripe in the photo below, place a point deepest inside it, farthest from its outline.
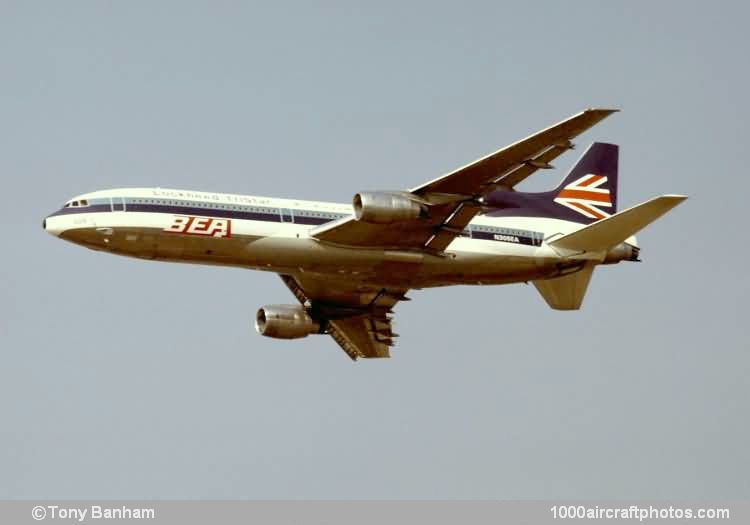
(528, 238)
(270, 216)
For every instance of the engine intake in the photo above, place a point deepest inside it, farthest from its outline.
(385, 208)
(285, 321)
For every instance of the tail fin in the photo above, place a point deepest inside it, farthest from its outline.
(590, 189)
(617, 228)
(588, 193)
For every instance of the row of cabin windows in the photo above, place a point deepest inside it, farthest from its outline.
(300, 213)
(205, 205)
(197, 204)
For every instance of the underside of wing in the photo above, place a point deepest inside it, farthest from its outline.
(363, 336)
(449, 202)
(357, 317)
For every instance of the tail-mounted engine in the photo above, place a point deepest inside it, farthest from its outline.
(622, 252)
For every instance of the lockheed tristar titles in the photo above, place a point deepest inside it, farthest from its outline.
(348, 265)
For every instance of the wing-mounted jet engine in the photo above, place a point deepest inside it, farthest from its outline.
(386, 207)
(285, 321)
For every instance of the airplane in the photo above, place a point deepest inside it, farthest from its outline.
(349, 265)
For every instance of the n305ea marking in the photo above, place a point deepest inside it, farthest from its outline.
(506, 238)
(204, 226)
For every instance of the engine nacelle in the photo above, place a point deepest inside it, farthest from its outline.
(622, 252)
(385, 208)
(285, 321)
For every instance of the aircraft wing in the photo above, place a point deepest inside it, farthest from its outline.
(357, 317)
(454, 199)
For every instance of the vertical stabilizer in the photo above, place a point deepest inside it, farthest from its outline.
(590, 189)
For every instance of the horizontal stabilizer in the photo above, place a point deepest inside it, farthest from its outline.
(613, 230)
(566, 292)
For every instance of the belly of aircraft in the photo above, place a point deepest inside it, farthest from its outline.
(291, 255)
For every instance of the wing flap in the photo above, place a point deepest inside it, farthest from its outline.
(356, 338)
(530, 166)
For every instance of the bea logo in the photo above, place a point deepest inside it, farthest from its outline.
(205, 226)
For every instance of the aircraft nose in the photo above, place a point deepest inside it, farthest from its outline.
(52, 225)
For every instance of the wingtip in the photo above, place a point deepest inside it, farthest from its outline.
(608, 111)
(676, 197)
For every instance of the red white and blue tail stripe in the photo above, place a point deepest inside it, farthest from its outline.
(587, 195)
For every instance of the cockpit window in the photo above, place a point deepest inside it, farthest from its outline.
(84, 202)
(75, 204)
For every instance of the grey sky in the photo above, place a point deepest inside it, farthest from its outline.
(129, 379)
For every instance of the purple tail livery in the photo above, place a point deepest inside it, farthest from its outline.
(587, 194)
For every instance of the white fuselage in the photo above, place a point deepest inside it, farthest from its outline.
(275, 235)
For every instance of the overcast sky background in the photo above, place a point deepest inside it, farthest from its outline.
(130, 379)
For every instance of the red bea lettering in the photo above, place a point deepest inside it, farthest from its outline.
(204, 226)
